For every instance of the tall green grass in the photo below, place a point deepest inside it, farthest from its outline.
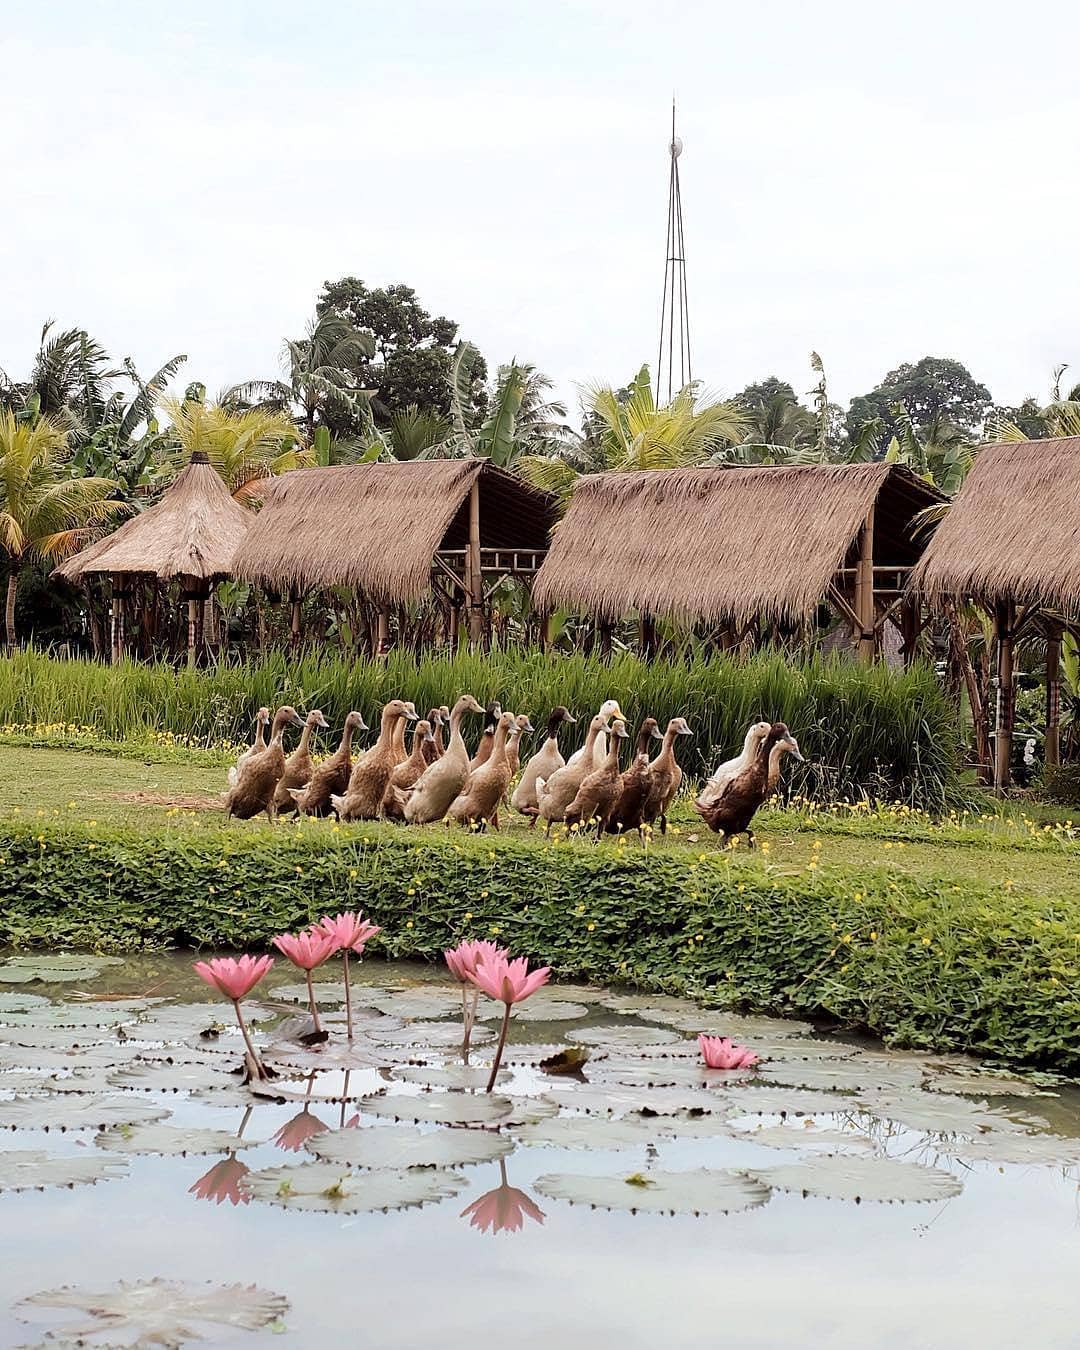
(865, 730)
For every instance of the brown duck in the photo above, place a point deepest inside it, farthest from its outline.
(331, 777)
(546, 762)
(299, 766)
(634, 783)
(664, 776)
(732, 813)
(434, 748)
(443, 781)
(598, 794)
(363, 798)
(253, 788)
(479, 803)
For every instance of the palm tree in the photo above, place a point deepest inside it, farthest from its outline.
(244, 447)
(43, 510)
(627, 430)
(320, 372)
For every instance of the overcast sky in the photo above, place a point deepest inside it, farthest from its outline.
(873, 184)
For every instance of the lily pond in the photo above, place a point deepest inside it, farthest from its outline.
(610, 1191)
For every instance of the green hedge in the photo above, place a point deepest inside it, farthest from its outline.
(940, 966)
(866, 731)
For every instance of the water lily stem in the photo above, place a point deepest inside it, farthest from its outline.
(256, 1063)
(348, 994)
(311, 998)
(499, 1052)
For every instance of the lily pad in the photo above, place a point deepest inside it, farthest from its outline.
(55, 1060)
(935, 1113)
(430, 1035)
(533, 1055)
(664, 1073)
(324, 1187)
(528, 1110)
(844, 1177)
(412, 1004)
(73, 1113)
(328, 993)
(840, 1076)
(614, 1101)
(972, 1083)
(33, 1170)
(65, 1040)
(333, 1055)
(54, 969)
(791, 1136)
(1045, 1149)
(537, 1010)
(397, 1146)
(621, 1002)
(700, 1191)
(778, 1101)
(16, 1001)
(469, 1076)
(165, 1313)
(440, 1108)
(592, 1132)
(619, 1036)
(715, 1022)
(24, 1081)
(165, 1076)
(168, 1140)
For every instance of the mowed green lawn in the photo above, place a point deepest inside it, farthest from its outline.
(103, 789)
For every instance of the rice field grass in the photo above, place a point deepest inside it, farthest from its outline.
(1014, 849)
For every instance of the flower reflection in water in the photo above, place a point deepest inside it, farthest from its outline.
(295, 1133)
(223, 1180)
(504, 1209)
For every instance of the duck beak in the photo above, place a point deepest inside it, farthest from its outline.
(411, 715)
(297, 720)
(684, 730)
(528, 726)
(656, 734)
(793, 749)
(321, 721)
(568, 718)
(429, 737)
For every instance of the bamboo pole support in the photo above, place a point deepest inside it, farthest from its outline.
(192, 625)
(295, 621)
(1004, 617)
(866, 636)
(646, 635)
(382, 631)
(474, 576)
(1053, 697)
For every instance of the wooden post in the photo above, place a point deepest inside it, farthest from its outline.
(382, 631)
(646, 635)
(545, 630)
(192, 625)
(1053, 697)
(865, 637)
(473, 574)
(116, 619)
(604, 629)
(1004, 617)
(295, 621)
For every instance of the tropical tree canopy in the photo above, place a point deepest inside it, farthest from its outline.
(244, 447)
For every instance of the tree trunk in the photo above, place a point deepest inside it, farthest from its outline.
(12, 592)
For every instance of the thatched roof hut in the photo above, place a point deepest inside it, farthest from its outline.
(194, 531)
(727, 545)
(1013, 531)
(380, 527)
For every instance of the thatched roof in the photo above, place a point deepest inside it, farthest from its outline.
(378, 526)
(1013, 530)
(193, 531)
(724, 544)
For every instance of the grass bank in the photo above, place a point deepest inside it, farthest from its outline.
(963, 936)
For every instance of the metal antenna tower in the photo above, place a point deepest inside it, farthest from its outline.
(674, 310)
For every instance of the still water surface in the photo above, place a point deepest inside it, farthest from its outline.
(995, 1265)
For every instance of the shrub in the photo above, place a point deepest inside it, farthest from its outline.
(930, 964)
(1061, 784)
(865, 730)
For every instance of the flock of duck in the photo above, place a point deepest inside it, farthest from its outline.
(436, 779)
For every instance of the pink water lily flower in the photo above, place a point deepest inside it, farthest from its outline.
(464, 958)
(462, 961)
(234, 979)
(308, 950)
(719, 1052)
(507, 982)
(350, 932)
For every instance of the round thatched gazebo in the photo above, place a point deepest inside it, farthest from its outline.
(191, 535)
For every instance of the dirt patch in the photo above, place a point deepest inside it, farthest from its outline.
(180, 803)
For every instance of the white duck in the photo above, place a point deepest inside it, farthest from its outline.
(608, 710)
